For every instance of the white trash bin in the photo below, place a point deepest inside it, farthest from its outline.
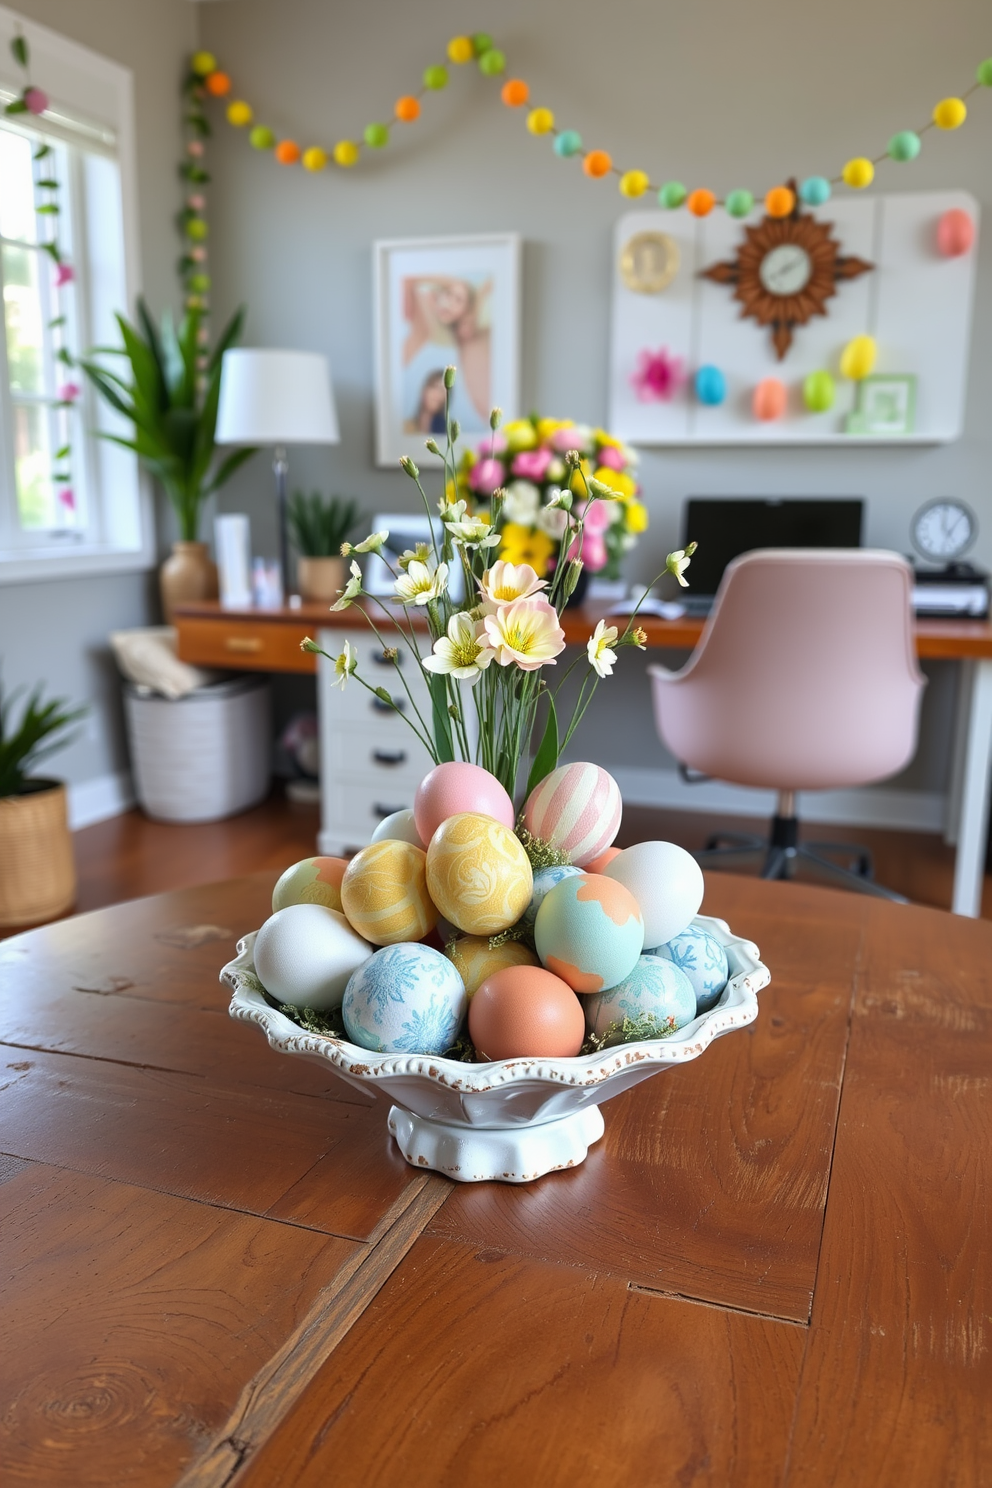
(204, 756)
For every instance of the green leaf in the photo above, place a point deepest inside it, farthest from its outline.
(18, 106)
(52, 249)
(227, 468)
(64, 355)
(48, 210)
(547, 756)
(59, 320)
(49, 183)
(19, 51)
(64, 452)
(442, 721)
(41, 152)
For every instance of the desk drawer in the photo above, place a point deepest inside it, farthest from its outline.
(371, 752)
(353, 809)
(244, 645)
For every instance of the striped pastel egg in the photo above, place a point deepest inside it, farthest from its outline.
(577, 809)
(384, 893)
(311, 881)
(478, 874)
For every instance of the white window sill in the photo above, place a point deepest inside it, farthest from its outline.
(18, 568)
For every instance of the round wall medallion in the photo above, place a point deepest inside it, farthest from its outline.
(649, 261)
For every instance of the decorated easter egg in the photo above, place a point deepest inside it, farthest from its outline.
(523, 1012)
(598, 865)
(406, 998)
(955, 233)
(384, 893)
(311, 881)
(858, 357)
(589, 932)
(711, 386)
(818, 391)
(455, 787)
(667, 883)
(655, 1000)
(577, 809)
(478, 874)
(398, 827)
(305, 953)
(769, 399)
(704, 961)
(545, 879)
(475, 960)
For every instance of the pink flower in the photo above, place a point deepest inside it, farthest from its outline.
(64, 274)
(197, 201)
(195, 148)
(496, 443)
(486, 476)
(35, 100)
(525, 633)
(597, 516)
(593, 553)
(198, 254)
(532, 464)
(563, 440)
(611, 457)
(658, 376)
(506, 582)
(69, 392)
(67, 498)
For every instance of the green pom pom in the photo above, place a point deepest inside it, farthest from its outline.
(196, 229)
(199, 282)
(672, 194)
(376, 135)
(739, 203)
(492, 62)
(984, 73)
(435, 78)
(905, 145)
(261, 137)
(481, 42)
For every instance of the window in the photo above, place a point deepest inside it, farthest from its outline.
(70, 501)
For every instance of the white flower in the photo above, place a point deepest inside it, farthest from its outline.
(601, 658)
(678, 562)
(419, 554)
(422, 582)
(555, 471)
(372, 544)
(553, 521)
(505, 582)
(451, 511)
(344, 665)
(351, 590)
(475, 533)
(464, 652)
(522, 501)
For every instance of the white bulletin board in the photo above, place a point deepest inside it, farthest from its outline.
(916, 303)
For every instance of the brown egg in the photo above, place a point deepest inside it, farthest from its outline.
(525, 1011)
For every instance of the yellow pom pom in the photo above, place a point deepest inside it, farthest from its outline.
(345, 153)
(202, 63)
(634, 183)
(540, 121)
(239, 113)
(314, 159)
(460, 49)
(858, 172)
(950, 113)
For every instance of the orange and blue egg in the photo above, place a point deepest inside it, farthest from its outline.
(589, 932)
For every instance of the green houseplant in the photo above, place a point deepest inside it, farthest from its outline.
(169, 391)
(318, 527)
(37, 871)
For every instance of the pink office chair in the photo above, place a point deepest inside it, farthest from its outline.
(805, 678)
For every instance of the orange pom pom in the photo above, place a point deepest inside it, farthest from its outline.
(407, 108)
(597, 163)
(218, 83)
(515, 92)
(701, 202)
(287, 152)
(780, 201)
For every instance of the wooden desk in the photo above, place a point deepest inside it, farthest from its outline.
(773, 1270)
(269, 641)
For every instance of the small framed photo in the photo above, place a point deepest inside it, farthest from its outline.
(441, 301)
(886, 404)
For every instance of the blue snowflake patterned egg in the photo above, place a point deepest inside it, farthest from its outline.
(406, 999)
(655, 1000)
(704, 961)
(545, 879)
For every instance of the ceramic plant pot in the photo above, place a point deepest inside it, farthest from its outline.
(187, 575)
(37, 870)
(320, 579)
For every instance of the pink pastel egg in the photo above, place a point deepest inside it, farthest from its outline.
(456, 787)
(955, 233)
(577, 809)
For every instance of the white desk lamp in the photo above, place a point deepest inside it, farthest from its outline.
(278, 398)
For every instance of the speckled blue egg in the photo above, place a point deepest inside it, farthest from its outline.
(544, 880)
(704, 961)
(657, 996)
(588, 933)
(406, 999)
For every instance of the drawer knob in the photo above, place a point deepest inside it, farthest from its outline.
(389, 756)
(383, 811)
(398, 705)
(250, 644)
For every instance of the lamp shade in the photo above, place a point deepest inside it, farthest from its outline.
(276, 397)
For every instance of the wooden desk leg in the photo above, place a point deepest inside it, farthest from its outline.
(969, 866)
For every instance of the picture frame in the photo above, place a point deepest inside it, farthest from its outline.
(886, 404)
(441, 301)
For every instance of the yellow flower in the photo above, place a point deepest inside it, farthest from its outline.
(637, 516)
(503, 583)
(526, 545)
(548, 426)
(617, 481)
(526, 633)
(601, 437)
(577, 485)
(520, 435)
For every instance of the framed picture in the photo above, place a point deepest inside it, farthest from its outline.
(886, 404)
(441, 301)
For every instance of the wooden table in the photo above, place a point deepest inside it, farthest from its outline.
(269, 640)
(773, 1270)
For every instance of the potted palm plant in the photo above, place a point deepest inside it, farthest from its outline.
(169, 393)
(318, 528)
(37, 871)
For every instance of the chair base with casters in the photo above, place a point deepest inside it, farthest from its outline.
(781, 854)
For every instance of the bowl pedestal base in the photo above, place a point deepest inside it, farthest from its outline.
(515, 1154)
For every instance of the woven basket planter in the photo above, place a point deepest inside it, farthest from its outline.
(37, 870)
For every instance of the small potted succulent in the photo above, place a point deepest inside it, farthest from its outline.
(37, 871)
(318, 528)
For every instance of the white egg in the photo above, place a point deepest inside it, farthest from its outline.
(667, 883)
(399, 827)
(305, 953)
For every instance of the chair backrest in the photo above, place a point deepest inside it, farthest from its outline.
(805, 677)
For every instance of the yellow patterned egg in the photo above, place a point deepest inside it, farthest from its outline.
(473, 959)
(311, 881)
(384, 893)
(478, 874)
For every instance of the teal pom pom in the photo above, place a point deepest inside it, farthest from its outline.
(569, 142)
(492, 62)
(711, 386)
(984, 73)
(672, 194)
(905, 145)
(815, 190)
(739, 203)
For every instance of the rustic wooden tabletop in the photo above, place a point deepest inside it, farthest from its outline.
(774, 1269)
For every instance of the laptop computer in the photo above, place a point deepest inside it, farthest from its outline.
(725, 527)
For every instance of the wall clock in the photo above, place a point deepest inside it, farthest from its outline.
(649, 261)
(944, 530)
(785, 271)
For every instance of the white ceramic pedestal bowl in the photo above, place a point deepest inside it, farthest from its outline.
(513, 1119)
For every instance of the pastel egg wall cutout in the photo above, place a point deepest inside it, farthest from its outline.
(857, 360)
(819, 392)
(656, 1000)
(384, 893)
(955, 233)
(589, 932)
(769, 400)
(711, 386)
(667, 883)
(455, 787)
(478, 874)
(577, 809)
(404, 999)
(305, 953)
(525, 1012)
(311, 881)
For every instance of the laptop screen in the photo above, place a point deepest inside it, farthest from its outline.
(726, 527)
